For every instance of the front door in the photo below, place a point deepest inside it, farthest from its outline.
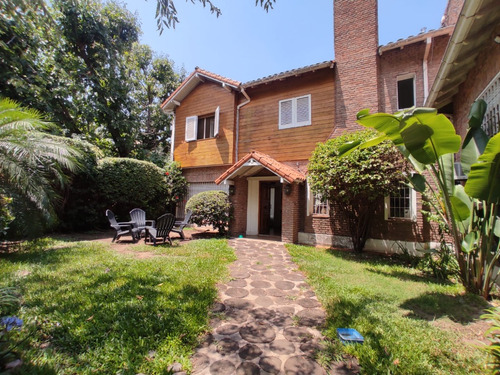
(270, 208)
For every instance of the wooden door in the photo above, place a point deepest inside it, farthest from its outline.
(270, 208)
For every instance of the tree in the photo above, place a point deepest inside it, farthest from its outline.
(166, 13)
(428, 140)
(353, 182)
(153, 79)
(32, 161)
(79, 62)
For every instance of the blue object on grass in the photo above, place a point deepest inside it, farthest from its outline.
(350, 336)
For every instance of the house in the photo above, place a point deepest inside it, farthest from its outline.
(254, 139)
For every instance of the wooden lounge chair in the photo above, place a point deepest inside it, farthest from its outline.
(164, 225)
(121, 228)
(138, 216)
(179, 225)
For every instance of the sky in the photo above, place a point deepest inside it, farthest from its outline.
(246, 43)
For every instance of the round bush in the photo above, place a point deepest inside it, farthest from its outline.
(210, 208)
(128, 183)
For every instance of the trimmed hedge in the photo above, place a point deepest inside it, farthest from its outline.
(211, 208)
(125, 183)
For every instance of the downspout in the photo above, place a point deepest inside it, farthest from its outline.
(172, 138)
(236, 149)
(425, 69)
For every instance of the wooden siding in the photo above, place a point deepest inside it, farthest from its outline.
(259, 119)
(202, 101)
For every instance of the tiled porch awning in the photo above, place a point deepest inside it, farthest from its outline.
(254, 161)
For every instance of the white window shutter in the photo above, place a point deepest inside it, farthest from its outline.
(286, 113)
(191, 128)
(304, 110)
(216, 122)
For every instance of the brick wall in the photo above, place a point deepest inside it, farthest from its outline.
(238, 224)
(355, 43)
(291, 214)
(206, 174)
(408, 60)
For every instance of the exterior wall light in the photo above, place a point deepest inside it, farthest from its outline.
(288, 189)
(232, 189)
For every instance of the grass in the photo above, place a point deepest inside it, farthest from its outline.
(397, 310)
(91, 310)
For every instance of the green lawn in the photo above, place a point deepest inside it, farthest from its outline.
(94, 310)
(397, 310)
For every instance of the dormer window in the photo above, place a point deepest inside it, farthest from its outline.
(202, 127)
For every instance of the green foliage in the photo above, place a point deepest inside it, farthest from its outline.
(166, 13)
(176, 184)
(125, 183)
(80, 209)
(493, 334)
(352, 182)
(79, 62)
(33, 164)
(211, 208)
(404, 316)
(98, 311)
(470, 213)
(6, 216)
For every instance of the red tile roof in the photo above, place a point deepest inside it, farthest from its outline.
(286, 172)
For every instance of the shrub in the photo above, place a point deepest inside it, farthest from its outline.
(176, 184)
(210, 208)
(125, 183)
(352, 182)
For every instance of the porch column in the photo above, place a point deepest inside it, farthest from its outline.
(238, 224)
(290, 214)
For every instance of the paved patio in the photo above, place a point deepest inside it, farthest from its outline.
(267, 320)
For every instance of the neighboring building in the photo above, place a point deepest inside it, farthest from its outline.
(254, 139)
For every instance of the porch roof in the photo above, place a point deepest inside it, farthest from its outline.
(254, 161)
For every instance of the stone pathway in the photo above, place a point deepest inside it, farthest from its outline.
(267, 319)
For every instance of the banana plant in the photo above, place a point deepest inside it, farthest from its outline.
(429, 141)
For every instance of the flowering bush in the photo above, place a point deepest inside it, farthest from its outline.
(176, 184)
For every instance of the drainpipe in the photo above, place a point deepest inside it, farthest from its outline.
(172, 138)
(428, 43)
(238, 123)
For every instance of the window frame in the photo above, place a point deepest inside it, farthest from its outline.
(404, 77)
(412, 209)
(312, 200)
(191, 130)
(294, 123)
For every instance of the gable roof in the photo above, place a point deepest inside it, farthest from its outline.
(254, 161)
(476, 23)
(189, 84)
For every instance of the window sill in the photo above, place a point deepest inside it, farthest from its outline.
(320, 216)
(401, 220)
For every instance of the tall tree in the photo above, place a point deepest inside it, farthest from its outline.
(154, 79)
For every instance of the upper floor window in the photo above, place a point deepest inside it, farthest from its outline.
(406, 91)
(295, 112)
(202, 127)
(402, 204)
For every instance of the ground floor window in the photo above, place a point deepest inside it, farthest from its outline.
(195, 188)
(316, 204)
(401, 204)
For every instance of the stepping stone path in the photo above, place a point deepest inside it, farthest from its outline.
(267, 319)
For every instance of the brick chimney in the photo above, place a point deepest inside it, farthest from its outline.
(452, 12)
(356, 58)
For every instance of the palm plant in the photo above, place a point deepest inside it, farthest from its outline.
(32, 161)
